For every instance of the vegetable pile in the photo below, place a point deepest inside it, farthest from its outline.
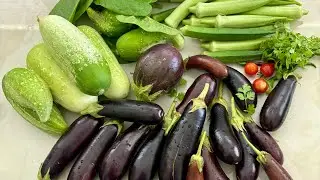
(78, 68)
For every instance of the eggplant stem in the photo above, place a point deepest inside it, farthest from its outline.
(171, 118)
(143, 92)
(261, 158)
(46, 176)
(93, 110)
(115, 122)
(220, 98)
(197, 158)
(207, 144)
(236, 120)
(198, 102)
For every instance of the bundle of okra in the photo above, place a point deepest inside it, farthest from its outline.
(232, 30)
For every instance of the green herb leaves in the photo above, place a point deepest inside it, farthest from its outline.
(246, 93)
(127, 7)
(148, 24)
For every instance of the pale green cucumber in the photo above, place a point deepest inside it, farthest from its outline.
(64, 91)
(75, 54)
(31, 98)
(120, 84)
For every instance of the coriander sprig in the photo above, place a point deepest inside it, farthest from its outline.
(246, 93)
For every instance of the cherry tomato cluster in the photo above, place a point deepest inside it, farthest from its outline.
(267, 70)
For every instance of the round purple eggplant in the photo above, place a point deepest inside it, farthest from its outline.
(69, 145)
(195, 89)
(158, 70)
(264, 141)
(224, 142)
(146, 160)
(84, 167)
(117, 159)
(133, 111)
(277, 104)
(236, 80)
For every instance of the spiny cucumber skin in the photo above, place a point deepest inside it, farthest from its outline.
(76, 54)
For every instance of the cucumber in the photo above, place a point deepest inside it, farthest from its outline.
(64, 91)
(30, 96)
(227, 34)
(230, 57)
(107, 23)
(75, 54)
(120, 84)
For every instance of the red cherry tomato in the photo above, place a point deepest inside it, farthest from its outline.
(251, 68)
(267, 69)
(260, 85)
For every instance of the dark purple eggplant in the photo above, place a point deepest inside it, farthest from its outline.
(195, 89)
(209, 64)
(146, 160)
(84, 167)
(69, 145)
(133, 111)
(236, 80)
(264, 141)
(225, 144)
(117, 159)
(277, 104)
(274, 170)
(158, 70)
(212, 169)
(182, 141)
(248, 168)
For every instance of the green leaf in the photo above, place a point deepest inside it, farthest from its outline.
(251, 109)
(127, 7)
(82, 7)
(240, 96)
(250, 95)
(65, 9)
(182, 82)
(148, 24)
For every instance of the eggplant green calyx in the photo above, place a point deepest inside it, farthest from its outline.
(143, 92)
(237, 119)
(206, 144)
(198, 103)
(261, 155)
(45, 177)
(220, 98)
(197, 158)
(117, 123)
(171, 118)
(93, 110)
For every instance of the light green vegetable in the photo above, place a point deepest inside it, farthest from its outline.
(82, 7)
(64, 91)
(289, 11)
(180, 12)
(161, 16)
(233, 45)
(75, 54)
(226, 7)
(236, 57)
(31, 98)
(283, 2)
(65, 9)
(120, 84)
(107, 23)
(194, 21)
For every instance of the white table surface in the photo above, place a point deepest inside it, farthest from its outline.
(23, 147)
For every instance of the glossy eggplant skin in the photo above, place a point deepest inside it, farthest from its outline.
(224, 142)
(209, 64)
(181, 143)
(133, 111)
(84, 167)
(70, 144)
(195, 89)
(274, 170)
(147, 159)
(234, 81)
(264, 141)
(117, 159)
(248, 168)
(212, 169)
(277, 104)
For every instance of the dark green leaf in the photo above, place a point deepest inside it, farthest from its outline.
(82, 7)
(65, 9)
(127, 7)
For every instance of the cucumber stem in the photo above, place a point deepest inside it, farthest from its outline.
(198, 102)
(261, 158)
(197, 158)
(117, 123)
(171, 118)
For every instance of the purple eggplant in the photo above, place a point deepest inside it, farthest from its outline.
(84, 167)
(158, 70)
(182, 141)
(248, 168)
(146, 160)
(133, 111)
(117, 159)
(74, 140)
(277, 104)
(274, 170)
(195, 89)
(264, 141)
